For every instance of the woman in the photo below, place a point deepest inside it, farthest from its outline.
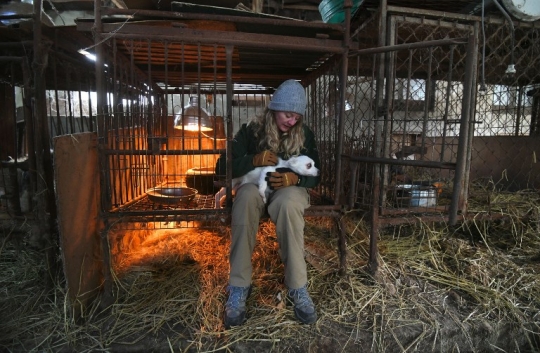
(279, 131)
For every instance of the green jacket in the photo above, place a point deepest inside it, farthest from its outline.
(245, 146)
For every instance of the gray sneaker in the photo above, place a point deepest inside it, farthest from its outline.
(304, 309)
(235, 308)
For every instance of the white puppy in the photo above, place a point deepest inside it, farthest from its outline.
(302, 165)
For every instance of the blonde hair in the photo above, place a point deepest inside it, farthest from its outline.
(271, 138)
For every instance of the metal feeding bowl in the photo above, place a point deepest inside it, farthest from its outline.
(171, 194)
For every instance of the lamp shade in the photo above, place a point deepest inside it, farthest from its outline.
(218, 132)
(191, 116)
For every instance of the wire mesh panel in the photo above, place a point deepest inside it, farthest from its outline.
(322, 117)
(408, 126)
(164, 129)
(162, 133)
(506, 121)
(71, 101)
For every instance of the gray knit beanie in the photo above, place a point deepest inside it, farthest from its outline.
(289, 97)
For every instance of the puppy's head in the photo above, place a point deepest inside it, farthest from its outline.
(303, 165)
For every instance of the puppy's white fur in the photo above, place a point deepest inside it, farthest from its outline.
(302, 165)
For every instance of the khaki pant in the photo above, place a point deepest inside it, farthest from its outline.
(286, 209)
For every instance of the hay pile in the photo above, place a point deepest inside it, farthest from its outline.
(475, 287)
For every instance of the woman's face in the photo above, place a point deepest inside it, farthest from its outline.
(286, 120)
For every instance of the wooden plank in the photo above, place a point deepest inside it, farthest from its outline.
(77, 191)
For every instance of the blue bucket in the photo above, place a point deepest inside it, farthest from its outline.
(332, 10)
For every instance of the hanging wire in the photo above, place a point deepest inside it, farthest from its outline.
(511, 68)
(483, 84)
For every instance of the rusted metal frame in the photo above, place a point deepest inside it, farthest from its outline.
(229, 123)
(174, 216)
(422, 20)
(472, 110)
(116, 183)
(118, 124)
(164, 216)
(116, 78)
(169, 212)
(234, 19)
(347, 5)
(354, 166)
(146, 152)
(101, 113)
(420, 211)
(356, 92)
(447, 100)
(133, 31)
(421, 218)
(136, 145)
(461, 159)
(329, 131)
(344, 73)
(29, 121)
(390, 78)
(409, 46)
(150, 123)
(427, 100)
(46, 205)
(142, 110)
(199, 135)
(373, 263)
(164, 95)
(442, 218)
(432, 13)
(183, 83)
(214, 96)
(165, 114)
(127, 123)
(404, 162)
(133, 122)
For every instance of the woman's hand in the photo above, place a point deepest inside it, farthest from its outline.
(278, 180)
(265, 158)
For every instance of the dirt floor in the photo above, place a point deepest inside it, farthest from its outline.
(471, 288)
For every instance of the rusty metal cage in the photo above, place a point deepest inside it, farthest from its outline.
(401, 104)
(409, 113)
(159, 171)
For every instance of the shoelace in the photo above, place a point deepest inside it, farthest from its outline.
(301, 298)
(235, 297)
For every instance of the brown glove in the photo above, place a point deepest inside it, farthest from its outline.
(265, 158)
(278, 180)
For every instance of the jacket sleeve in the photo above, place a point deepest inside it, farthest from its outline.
(310, 150)
(243, 150)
